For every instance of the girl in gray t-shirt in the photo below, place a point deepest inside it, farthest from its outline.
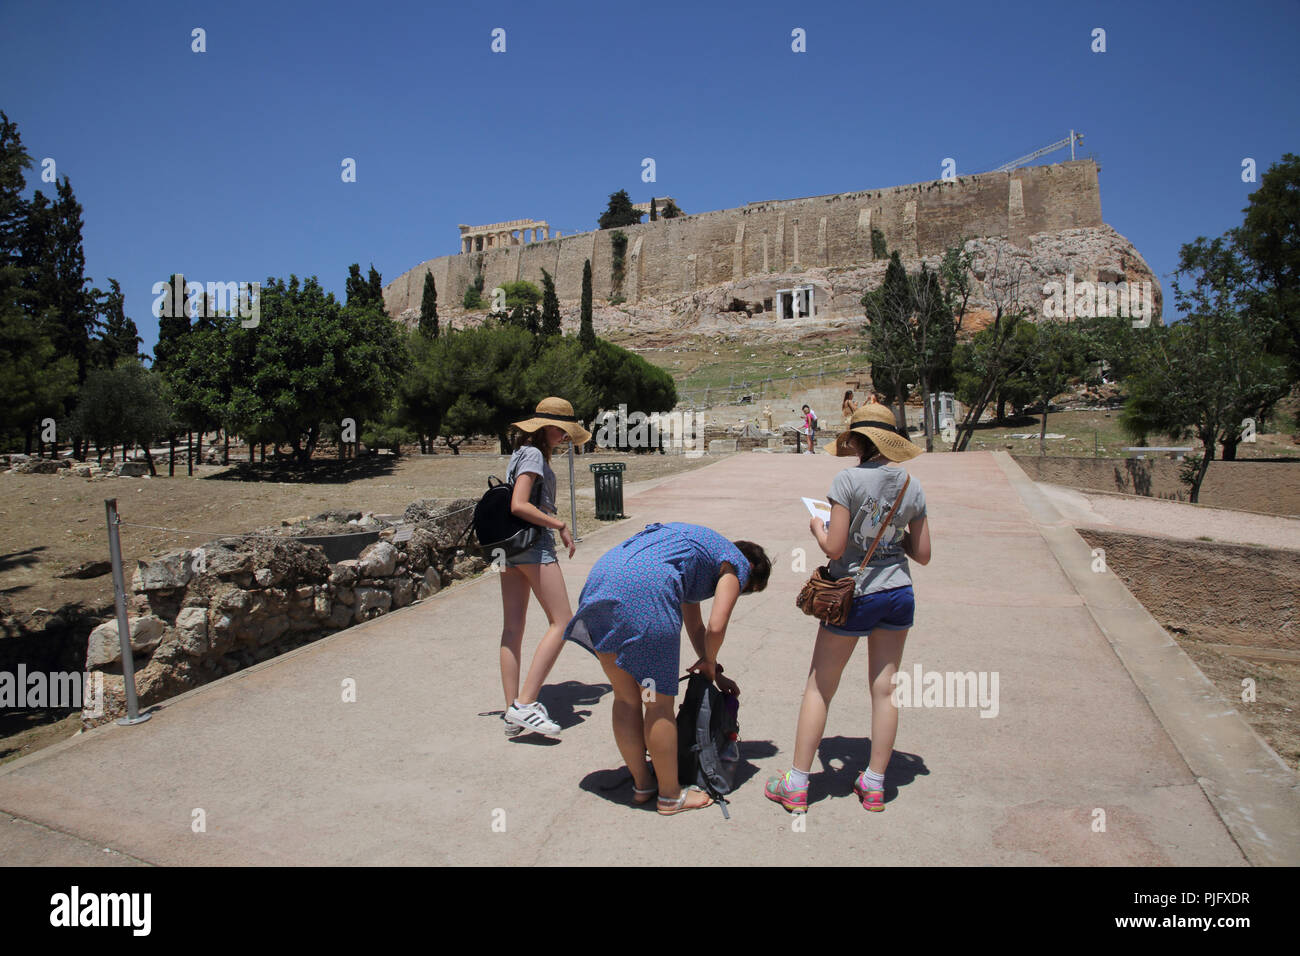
(861, 498)
(536, 571)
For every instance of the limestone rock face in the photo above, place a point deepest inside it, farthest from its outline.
(747, 307)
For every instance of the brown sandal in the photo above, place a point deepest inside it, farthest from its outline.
(679, 805)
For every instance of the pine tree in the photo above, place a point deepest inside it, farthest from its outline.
(550, 306)
(620, 212)
(429, 308)
(587, 333)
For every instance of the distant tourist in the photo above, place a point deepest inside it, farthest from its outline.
(847, 408)
(861, 498)
(630, 615)
(809, 426)
(536, 569)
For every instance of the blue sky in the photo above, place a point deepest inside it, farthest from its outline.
(226, 164)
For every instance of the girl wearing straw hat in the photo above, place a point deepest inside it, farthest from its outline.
(863, 498)
(536, 569)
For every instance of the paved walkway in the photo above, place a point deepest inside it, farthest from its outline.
(284, 772)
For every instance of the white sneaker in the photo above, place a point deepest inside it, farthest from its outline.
(532, 717)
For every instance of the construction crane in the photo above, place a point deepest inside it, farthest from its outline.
(1059, 144)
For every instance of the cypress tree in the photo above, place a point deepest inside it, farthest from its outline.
(356, 288)
(587, 334)
(376, 289)
(654, 214)
(550, 306)
(429, 308)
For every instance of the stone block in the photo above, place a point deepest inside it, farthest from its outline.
(378, 560)
(104, 647)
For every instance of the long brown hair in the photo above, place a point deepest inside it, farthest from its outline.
(537, 439)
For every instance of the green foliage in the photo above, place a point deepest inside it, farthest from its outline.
(308, 361)
(120, 338)
(473, 298)
(671, 211)
(620, 212)
(123, 405)
(618, 248)
(654, 212)
(480, 380)
(878, 248)
(521, 294)
(550, 307)
(35, 381)
(429, 308)
(1268, 241)
(618, 376)
(587, 331)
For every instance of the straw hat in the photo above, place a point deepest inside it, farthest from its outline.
(558, 412)
(877, 423)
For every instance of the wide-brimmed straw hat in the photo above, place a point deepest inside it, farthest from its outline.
(558, 412)
(877, 423)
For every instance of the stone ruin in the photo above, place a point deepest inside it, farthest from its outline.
(199, 614)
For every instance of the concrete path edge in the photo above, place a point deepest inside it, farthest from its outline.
(1256, 795)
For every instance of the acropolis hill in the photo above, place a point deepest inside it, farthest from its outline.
(689, 274)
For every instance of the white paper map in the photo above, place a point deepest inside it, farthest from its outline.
(818, 509)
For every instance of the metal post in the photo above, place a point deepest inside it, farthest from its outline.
(573, 496)
(133, 715)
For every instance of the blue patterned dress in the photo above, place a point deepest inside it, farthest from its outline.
(632, 602)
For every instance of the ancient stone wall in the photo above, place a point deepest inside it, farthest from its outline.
(197, 615)
(677, 256)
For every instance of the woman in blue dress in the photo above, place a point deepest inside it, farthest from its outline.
(630, 615)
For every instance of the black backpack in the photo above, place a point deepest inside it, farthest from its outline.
(706, 725)
(498, 528)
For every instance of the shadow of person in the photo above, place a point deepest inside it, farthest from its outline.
(843, 758)
(569, 703)
(614, 785)
(750, 750)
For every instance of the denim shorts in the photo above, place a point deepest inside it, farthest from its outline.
(890, 610)
(542, 551)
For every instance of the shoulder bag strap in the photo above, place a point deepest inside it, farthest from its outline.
(888, 518)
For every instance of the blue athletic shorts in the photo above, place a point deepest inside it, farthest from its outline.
(891, 610)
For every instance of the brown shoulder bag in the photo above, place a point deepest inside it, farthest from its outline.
(830, 600)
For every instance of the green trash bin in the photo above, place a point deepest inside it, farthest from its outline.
(609, 490)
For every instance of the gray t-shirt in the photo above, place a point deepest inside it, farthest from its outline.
(530, 460)
(869, 490)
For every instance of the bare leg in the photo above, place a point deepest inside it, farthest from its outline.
(547, 582)
(629, 728)
(830, 655)
(514, 602)
(884, 655)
